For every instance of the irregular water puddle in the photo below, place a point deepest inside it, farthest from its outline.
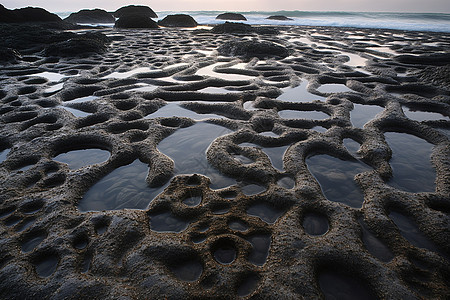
(355, 60)
(410, 231)
(143, 87)
(286, 182)
(82, 99)
(216, 90)
(122, 75)
(412, 170)
(76, 112)
(187, 148)
(335, 177)
(47, 266)
(238, 225)
(361, 114)
(81, 158)
(275, 154)
(375, 246)
(352, 146)
(50, 76)
(208, 71)
(175, 109)
(297, 114)
(54, 88)
(193, 201)
(265, 212)
(420, 116)
(315, 224)
(298, 94)
(333, 88)
(335, 285)
(4, 154)
(252, 189)
(125, 187)
(261, 245)
(224, 252)
(167, 222)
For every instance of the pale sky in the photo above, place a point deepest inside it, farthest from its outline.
(442, 6)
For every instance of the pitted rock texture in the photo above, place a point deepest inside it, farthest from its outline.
(261, 225)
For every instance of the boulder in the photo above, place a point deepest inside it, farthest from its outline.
(179, 20)
(279, 18)
(27, 14)
(91, 16)
(231, 16)
(240, 28)
(250, 49)
(80, 45)
(136, 21)
(135, 10)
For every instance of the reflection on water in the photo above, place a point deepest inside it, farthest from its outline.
(299, 94)
(361, 114)
(82, 99)
(410, 231)
(265, 212)
(208, 71)
(3, 155)
(298, 114)
(188, 271)
(216, 90)
(238, 225)
(143, 87)
(355, 60)
(252, 189)
(352, 147)
(315, 224)
(50, 76)
(55, 88)
(412, 170)
(261, 246)
(335, 177)
(47, 266)
(375, 246)
(80, 158)
(336, 285)
(76, 112)
(187, 148)
(167, 222)
(420, 116)
(125, 187)
(275, 154)
(333, 88)
(129, 73)
(174, 109)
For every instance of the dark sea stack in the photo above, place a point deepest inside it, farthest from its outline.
(135, 10)
(91, 16)
(80, 45)
(252, 49)
(179, 20)
(27, 14)
(240, 28)
(279, 18)
(136, 21)
(231, 16)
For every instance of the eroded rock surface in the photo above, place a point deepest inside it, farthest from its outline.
(253, 221)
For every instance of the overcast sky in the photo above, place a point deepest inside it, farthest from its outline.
(243, 5)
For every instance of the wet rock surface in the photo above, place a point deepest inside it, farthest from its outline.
(279, 18)
(231, 16)
(135, 10)
(135, 21)
(253, 221)
(27, 15)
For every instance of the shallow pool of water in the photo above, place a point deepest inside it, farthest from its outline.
(143, 87)
(265, 212)
(298, 94)
(374, 245)
(81, 158)
(3, 154)
(82, 99)
(125, 187)
(333, 88)
(50, 76)
(208, 71)
(355, 60)
(361, 114)
(335, 177)
(260, 251)
(216, 90)
(76, 112)
(175, 109)
(420, 116)
(167, 222)
(275, 154)
(187, 148)
(315, 224)
(412, 170)
(298, 114)
(129, 73)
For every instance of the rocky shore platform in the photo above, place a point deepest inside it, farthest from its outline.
(254, 162)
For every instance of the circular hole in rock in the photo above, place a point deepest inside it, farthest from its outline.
(80, 242)
(32, 241)
(238, 225)
(188, 271)
(315, 224)
(224, 251)
(46, 266)
(193, 201)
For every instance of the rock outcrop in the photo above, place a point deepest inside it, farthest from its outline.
(91, 16)
(252, 49)
(279, 18)
(231, 16)
(27, 14)
(135, 10)
(240, 28)
(179, 20)
(136, 21)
